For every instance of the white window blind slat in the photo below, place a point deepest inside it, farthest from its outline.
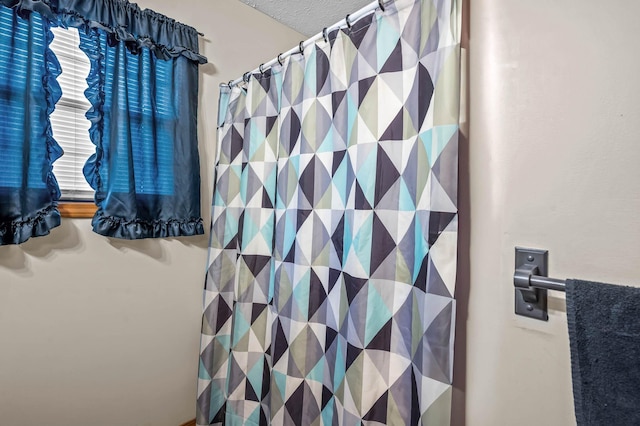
(68, 121)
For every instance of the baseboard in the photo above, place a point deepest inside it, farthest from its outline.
(189, 423)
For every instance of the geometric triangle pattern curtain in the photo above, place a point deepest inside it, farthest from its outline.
(331, 272)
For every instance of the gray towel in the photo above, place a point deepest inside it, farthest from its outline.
(604, 334)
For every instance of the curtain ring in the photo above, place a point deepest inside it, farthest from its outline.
(325, 35)
(346, 19)
(280, 59)
(301, 47)
(230, 84)
(245, 76)
(381, 5)
(260, 68)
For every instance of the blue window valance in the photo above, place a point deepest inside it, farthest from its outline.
(125, 21)
(143, 88)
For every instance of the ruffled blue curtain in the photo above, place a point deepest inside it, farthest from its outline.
(146, 170)
(143, 88)
(28, 92)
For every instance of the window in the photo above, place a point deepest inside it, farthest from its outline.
(68, 121)
(143, 96)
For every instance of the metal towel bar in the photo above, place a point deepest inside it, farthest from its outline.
(547, 283)
(531, 283)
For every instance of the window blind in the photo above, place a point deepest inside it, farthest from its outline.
(68, 121)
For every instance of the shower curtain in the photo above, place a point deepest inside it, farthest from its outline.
(331, 271)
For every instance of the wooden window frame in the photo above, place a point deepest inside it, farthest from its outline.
(77, 209)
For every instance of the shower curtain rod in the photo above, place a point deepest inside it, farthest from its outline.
(348, 21)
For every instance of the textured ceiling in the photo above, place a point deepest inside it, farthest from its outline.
(307, 16)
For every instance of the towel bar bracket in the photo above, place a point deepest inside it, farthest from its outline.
(530, 301)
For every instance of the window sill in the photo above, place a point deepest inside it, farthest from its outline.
(77, 210)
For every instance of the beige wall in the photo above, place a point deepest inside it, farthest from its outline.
(96, 331)
(103, 332)
(552, 162)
